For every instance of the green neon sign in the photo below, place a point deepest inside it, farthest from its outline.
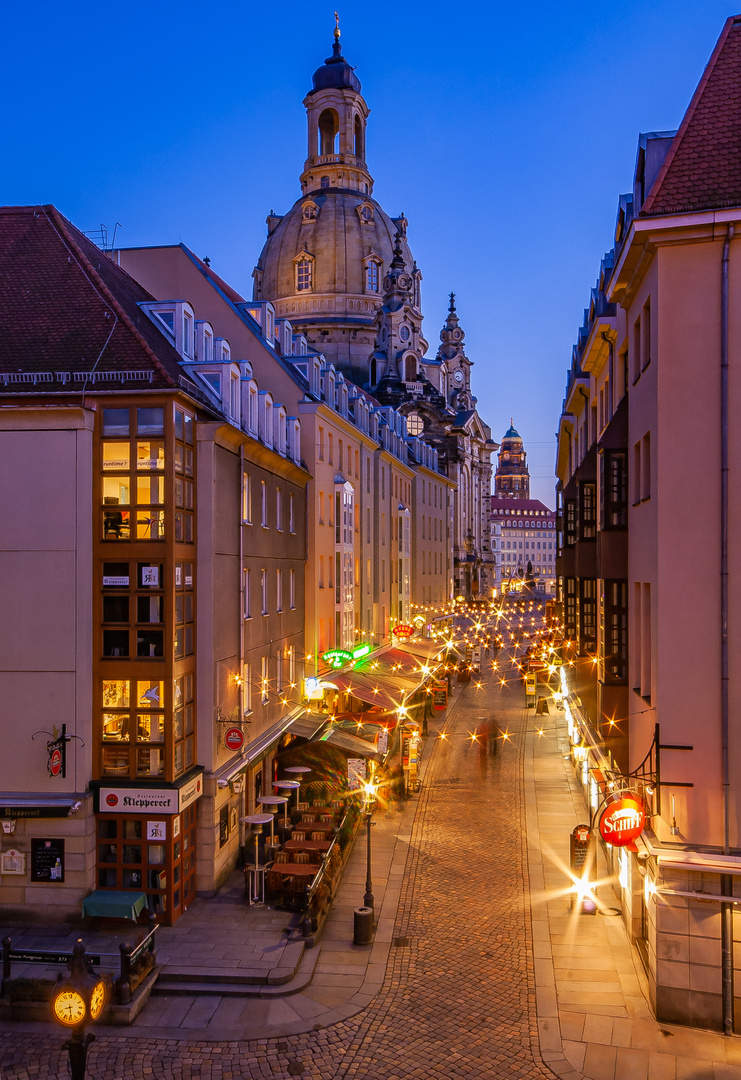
(361, 650)
(337, 657)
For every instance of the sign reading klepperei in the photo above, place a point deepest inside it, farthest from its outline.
(150, 800)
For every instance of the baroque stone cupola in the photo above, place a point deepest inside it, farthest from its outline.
(400, 346)
(512, 478)
(337, 114)
(455, 366)
(324, 262)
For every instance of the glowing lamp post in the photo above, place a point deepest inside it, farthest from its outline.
(370, 801)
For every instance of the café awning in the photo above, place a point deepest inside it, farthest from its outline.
(428, 650)
(111, 904)
(345, 741)
(375, 689)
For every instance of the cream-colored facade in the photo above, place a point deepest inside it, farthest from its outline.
(649, 452)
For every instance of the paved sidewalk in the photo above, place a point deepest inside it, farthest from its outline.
(592, 993)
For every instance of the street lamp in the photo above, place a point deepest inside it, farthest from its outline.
(83, 996)
(370, 801)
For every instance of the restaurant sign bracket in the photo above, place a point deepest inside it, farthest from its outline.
(649, 770)
(56, 748)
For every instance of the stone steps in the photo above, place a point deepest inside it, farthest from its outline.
(280, 981)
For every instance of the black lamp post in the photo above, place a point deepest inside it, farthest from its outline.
(80, 997)
(370, 801)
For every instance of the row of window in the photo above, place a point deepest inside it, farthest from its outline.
(304, 266)
(135, 732)
(280, 576)
(248, 510)
(284, 678)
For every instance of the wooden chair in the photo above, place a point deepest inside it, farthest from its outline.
(297, 835)
(302, 806)
(308, 817)
(337, 804)
(302, 857)
(326, 818)
(318, 836)
(282, 857)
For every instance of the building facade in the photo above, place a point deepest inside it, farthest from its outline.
(653, 646)
(147, 654)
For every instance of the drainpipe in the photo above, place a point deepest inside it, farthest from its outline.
(240, 672)
(610, 371)
(726, 881)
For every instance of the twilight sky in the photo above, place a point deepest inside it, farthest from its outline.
(504, 133)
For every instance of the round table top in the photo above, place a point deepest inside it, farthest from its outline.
(297, 768)
(286, 783)
(256, 819)
(272, 800)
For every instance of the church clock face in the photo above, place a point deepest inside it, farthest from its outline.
(458, 377)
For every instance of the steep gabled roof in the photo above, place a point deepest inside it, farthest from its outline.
(66, 309)
(702, 170)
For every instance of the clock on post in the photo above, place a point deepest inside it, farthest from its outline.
(80, 997)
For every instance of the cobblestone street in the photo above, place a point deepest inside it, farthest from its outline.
(458, 998)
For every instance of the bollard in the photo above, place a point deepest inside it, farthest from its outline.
(123, 984)
(7, 942)
(363, 926)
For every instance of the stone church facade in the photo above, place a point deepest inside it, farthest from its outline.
(341, 270)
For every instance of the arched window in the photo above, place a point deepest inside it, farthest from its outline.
(329, 129)
(304, 273)
(372, 276)
(373, 372)
(410, 368)
(358, 144)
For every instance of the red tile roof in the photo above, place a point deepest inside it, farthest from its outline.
(702, 170)
(67, 311)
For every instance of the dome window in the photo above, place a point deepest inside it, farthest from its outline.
(372, 275)
(324, 182)
(304, 264)
(309, 211)
(365, 213)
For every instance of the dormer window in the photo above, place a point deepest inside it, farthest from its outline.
(365, 213)
(168, 318)
(309, 211)
(187, 333)
(304, 264)
(208, 346)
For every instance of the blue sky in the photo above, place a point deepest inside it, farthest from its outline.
(504, 133)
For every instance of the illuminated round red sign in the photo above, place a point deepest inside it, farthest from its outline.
(622, 821)
(55, 762)
(111, 799)
(403, 630)
(234, 738)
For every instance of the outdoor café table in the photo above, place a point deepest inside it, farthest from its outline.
(326, 827)
(315, 848)
(293, 869)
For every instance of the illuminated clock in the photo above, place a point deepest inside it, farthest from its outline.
(97, 1000)
(69, 1007)
(458, 376)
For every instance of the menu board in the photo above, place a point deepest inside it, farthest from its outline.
(440, 696)
(47, 860)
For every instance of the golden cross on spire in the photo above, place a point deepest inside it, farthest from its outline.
(337, 26)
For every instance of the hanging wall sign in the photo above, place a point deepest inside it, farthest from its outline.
(403, 630)
(622, 821)
(55, 761)
(234, 738)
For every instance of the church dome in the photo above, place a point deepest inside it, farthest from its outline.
(512, 434)
(336, 73)
(347, 230)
